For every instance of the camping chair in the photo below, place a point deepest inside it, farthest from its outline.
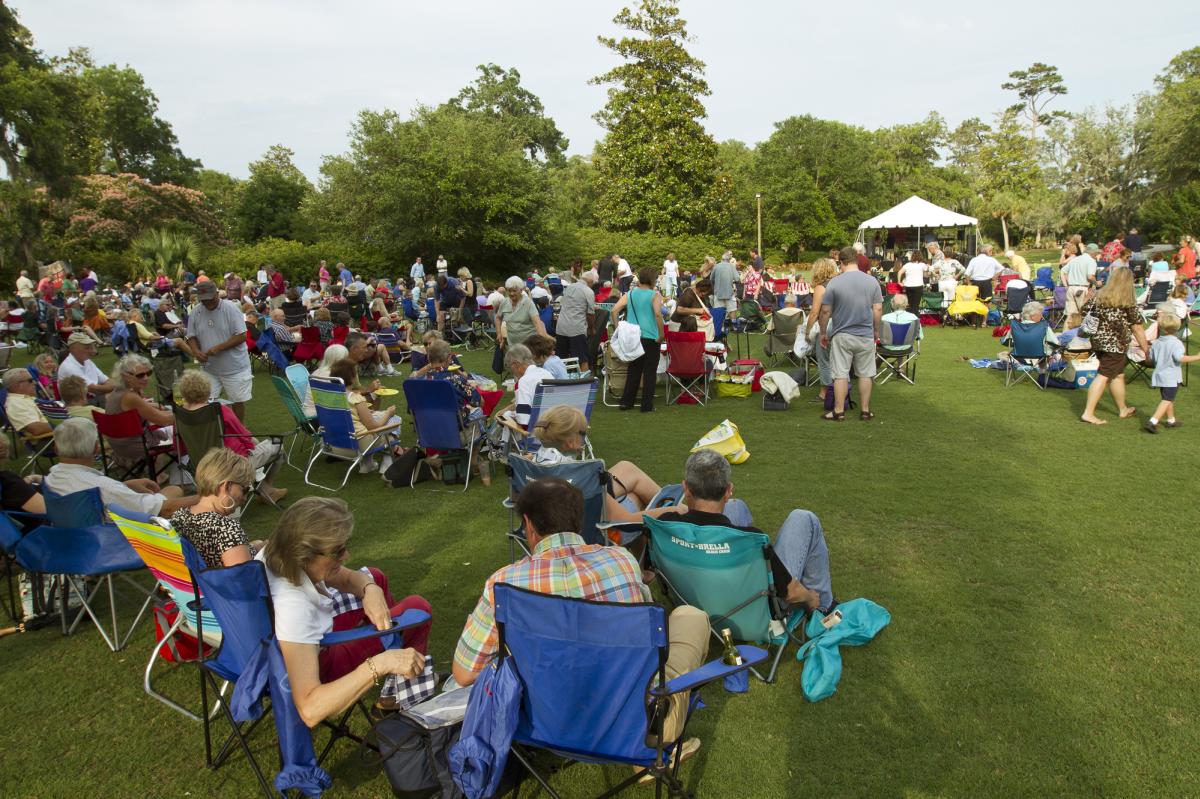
(203, 429)
(727, 574)
(751, 316)
(932, 302)
(897, 352)
(1056, 306)
(588, 476)
(179, 640)
(484, 325)
(129, 424)
(719, 318)
(1015, 298)
(434, 406)
(579, 394)
(239, 599)
(1044, 278)
(36, 447)
(54, 411)
(686, 365)
(31, 332)
(356, 306)
(168, 368)
(615, 371)
(269, 352)
(781, 339)
(81, 545)
(338, 439)
(305, 427)
(1028, 358)
(310, 347)
(391, 341)
(613, 698)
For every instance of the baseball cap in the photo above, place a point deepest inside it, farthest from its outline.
(1093, 247)
(206, 290)
(80, 338)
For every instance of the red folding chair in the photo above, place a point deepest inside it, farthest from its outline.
(687, 367)
(310, 347)
(129, 424)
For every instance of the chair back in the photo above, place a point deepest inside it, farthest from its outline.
(168, 367)
(718, 319)
(10, 534)
(1044, 279)
(966, 293)
(716, 569)
(410, 310)
(333, 412)
(685, 353)
(78, 509)
(297, 375)
(586, 475)
(1029, 339)
(239, 598)
(932, 301)
(547, 316)
(287, 393)
(579, 393)
(199, 431)
(294, 316)
(159, 548)
(54, 411)
(126, 424)
(431, 310)
(598, 706)
(339, 334)
(356, 305)
(1016, 297)
(899, 334)
(434, 407)
(268, 347)
(1159, 292)
(783, 332)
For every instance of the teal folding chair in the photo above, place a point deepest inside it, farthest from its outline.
(306, 427)
(727, 574)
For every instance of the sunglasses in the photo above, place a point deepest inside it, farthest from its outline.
(337, 554)
(140, 375)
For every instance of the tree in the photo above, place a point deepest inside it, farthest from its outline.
(1036, 87)
(1006, 171)
(442, 182)
(657, 165)
(1169, 125)
(499, 93)
(224, 193)
(1096, 165)
(167, 250)
(269, 201)
(573, 191)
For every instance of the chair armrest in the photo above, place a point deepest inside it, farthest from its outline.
(407, 619)
(713, 670)
(27, 514)
(384, 429)
(198, 605)
(512, 425)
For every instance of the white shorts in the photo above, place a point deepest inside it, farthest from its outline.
(237, 388)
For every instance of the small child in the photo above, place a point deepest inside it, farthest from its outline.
(1167, 353)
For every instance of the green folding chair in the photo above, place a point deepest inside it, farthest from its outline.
(306, 427)
(727, 574)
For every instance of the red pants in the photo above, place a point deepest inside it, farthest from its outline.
(338, 661)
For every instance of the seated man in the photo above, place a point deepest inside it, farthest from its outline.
(900, 315)
(370, 358)
(285, 335)
(78, 443)
(80, 350)
(799, 557)
(23, 413)
(563, 565)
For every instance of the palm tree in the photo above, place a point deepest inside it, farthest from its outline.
(168, 250)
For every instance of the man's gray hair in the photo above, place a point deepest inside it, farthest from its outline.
(987, 248)
(858, 247)
(707, 475)
(76, 438)
(518, 353)
(130, 363)
(725, 256)
(514, 283)
(14, 376)
(1029, 309)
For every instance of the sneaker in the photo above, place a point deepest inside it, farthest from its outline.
(1150, 427)
(1174, 424)
(686, 749)
(367, 466)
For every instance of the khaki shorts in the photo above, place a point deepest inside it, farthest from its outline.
(1076, 299)
(846, 350)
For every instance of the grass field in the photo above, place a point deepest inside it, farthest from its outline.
(1041, 576)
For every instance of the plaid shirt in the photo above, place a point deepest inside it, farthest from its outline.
(563, 565)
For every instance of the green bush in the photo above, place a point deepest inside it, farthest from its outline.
(298, 261)
(648, 249)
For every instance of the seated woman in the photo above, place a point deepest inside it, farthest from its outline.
(47, 369)
(900, 314)
(470, 403)
(323, 322)
(72, 390)
(19, 493)
(149, 338)
(195, 388)
(692, 307)
(133, 376)
(561, 430)
(333, 354)
(366, 420)
(94, 317)
(223, 479)
(544, 356)
(303, 560)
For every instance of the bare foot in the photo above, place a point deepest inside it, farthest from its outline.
(1130, 411)
(1092, 420)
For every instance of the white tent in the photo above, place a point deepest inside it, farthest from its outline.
(915, 213)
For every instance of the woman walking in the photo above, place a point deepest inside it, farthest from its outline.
(643, 307)
(1115, 309)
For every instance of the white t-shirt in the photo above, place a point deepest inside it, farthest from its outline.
(67, 478)
(983, 267)
(88, 370)
(303, 614)
(914, 274)
(671, 268)
(493, 299)
(526, 387)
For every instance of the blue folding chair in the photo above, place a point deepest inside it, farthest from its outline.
(434, 406)
(547, 316)
(268, 348)
(410, 310)
(240, 599)
(13, 526)
(897, 352)
(614, 697)
(1028, 359)
(718, 319)
(338, 439)
(727, 574)
(79, 543)
(579, 393)
(588, 476)
(1044, 278)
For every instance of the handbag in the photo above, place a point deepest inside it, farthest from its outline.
(1089, 326)
(627, 340)
(416, 759)
(705, 326)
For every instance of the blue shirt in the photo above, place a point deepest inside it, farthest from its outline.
(417, 273)
(346, 276)
(555, 366)
(1166, 352)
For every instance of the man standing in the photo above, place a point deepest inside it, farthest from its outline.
(443, 267)
(607, 269)
(25, 286)
(233, 287)
(851, 313)
(671, 275)
(416, 273)
(80, 348)
(982, 270)
(576, 315)
(216, 332)
(277, 288)
(345, 276)
(723, 276)
(1078, 275)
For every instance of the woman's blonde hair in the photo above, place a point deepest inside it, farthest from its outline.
(1118, 290)
(312, 526)
(219, 466)
(194, 387)
(321, 314)
(464, 273)
(72, 390)
(824, 270)
(557, 423)
(45, 360)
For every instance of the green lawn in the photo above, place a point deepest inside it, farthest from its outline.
(1040, 574)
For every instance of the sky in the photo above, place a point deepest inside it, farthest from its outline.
(234, 77)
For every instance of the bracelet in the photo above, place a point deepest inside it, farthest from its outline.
(374, 674)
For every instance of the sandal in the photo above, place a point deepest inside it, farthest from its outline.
(834, 416)
(866, 416)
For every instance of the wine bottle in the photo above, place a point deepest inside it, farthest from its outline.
(731, 657)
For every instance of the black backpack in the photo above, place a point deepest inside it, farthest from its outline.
(415, 759)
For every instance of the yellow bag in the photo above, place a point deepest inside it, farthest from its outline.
(728, 386)
(724, 439)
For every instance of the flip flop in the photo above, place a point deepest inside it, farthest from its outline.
(833, 416)
(1130, 411)
(866, 416)
(1097, 424)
